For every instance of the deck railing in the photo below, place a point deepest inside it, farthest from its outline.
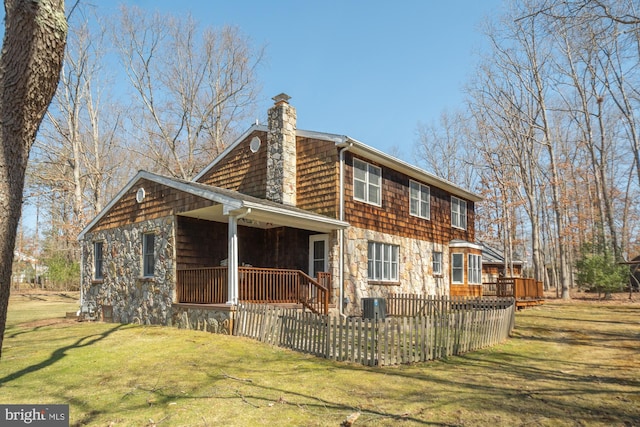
(209, 285)
(519, 288)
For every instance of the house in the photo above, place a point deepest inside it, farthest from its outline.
(282, 215)
(494, 266)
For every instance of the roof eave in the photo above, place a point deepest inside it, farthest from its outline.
(378, 156)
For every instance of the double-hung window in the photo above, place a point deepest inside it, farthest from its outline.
(367, 182)
(148, 254)
(437, 263)
(419, 200)
(474, 267)
(383, 262)
(98, 261)
(458, 213)
(457, 268)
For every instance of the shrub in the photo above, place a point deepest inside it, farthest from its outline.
(598, 271)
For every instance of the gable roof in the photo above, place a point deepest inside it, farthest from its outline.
(233, 202)
(357, 147)
(492, 255)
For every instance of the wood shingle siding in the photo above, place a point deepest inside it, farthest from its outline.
(393, 216)
(317, 179)
(160, 201)
(200, 243)
(242, 170)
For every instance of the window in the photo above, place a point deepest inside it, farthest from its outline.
(367, 182)
(419, 200)
(97, 261)
(148, 254)
(383, 262)
(458, 213)
(457, 268)
(474, 273)
(437, 263)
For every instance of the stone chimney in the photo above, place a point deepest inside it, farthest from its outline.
(281, 152)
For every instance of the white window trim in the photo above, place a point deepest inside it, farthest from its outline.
(474, 265)
(144, 255)
(420, 214)
(461, 268)
(437, 272)
(367, 183)
(384, 255)
(460, 212)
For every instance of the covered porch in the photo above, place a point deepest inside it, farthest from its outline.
(251, 250)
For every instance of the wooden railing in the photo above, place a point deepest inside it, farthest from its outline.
(202, 285)
(259, 285)
(313, 295)
(519, 288)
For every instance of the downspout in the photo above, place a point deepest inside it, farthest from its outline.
(232, 260)
(82, 272)
(343, 150)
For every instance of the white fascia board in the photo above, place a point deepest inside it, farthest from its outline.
(231, 146)
(228, 202)
(464, 244)
(113, 201)
(296, 219)
(323, 136)
(364, 150)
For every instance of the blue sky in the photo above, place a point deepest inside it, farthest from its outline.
(367, 69)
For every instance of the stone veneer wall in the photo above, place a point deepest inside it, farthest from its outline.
(217, 321)
(281, 153)
(133, 298)
(415, 268)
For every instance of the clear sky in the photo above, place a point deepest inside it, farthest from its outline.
(367, 69)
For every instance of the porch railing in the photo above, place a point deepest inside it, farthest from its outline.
(209, 285)
(202, 285)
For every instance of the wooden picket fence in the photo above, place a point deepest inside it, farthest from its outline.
(460, 328)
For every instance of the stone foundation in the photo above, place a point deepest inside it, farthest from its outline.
(217, 320)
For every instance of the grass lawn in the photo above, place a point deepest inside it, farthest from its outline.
(567, 364)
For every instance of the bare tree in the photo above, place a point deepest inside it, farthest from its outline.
(75, 159)
(190, 88)
(444, 149)
(32, 54)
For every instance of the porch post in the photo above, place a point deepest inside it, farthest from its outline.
(232, 261)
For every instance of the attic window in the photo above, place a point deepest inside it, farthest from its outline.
(140, 194)
(254, 145)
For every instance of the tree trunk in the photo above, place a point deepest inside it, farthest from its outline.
(32, 53)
